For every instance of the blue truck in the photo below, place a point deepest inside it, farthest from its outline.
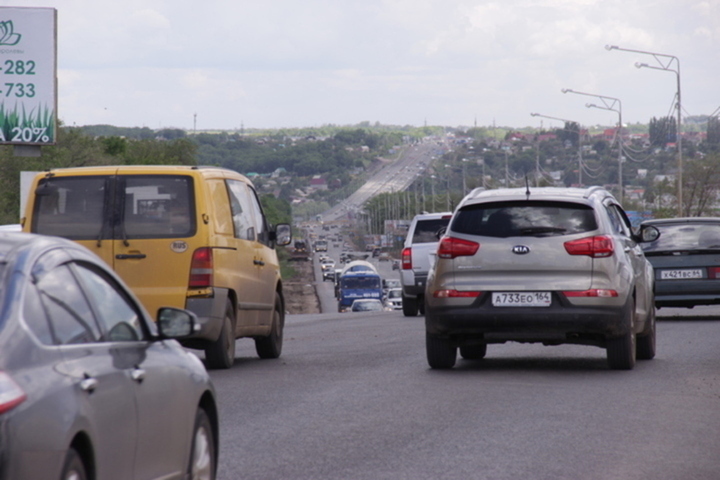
(359, 279)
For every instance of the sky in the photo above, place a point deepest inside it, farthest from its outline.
(228, 64)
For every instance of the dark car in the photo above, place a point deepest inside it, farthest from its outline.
(90, 387)
(686, 258)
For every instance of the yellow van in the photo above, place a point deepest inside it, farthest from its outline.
(181, 236)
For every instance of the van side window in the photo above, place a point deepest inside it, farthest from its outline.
(261, 226)
(241, 210)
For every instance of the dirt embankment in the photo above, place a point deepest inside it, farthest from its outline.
(299, 291)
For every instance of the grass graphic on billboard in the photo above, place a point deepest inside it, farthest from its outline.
(21, 127)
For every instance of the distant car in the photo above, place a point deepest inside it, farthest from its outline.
(384, 257)
(686, 259)
(367, 305)
(393, 299)
(90, 387)
(396, 265)
(541, 265)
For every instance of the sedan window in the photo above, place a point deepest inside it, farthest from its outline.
(71, 319)
(118, 317)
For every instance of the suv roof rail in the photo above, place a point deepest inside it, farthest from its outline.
(590, 190)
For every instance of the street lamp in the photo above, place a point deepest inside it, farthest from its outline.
(614, 105)
(665, 61)
(447, 192)
(580, 162)
(464, 162)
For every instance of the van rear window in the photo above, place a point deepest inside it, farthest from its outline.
(71, 207)
(115, 207)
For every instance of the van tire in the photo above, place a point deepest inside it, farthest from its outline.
(271, 346)
(221, 353)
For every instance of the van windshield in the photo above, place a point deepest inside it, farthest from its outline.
(360, 282)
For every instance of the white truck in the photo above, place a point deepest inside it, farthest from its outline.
(417, 258)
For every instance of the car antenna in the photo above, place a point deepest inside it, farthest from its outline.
(527, 187)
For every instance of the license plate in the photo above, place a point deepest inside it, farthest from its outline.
(681, 274)
(521, 299)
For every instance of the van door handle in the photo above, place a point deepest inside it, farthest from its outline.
(259, 262)
(129, 256)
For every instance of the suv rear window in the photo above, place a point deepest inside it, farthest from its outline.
(526, 218)
(426, 230)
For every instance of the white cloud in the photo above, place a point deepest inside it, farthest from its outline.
(270, 63)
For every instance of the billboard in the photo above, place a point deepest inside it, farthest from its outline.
(28, 76)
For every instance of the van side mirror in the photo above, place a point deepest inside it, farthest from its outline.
(282, 235)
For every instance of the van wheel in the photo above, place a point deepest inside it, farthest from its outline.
(440, 352)
(221, 354)
(410, 306)
(202, 449)
(621, 350)
(271, 346)
(73, 468)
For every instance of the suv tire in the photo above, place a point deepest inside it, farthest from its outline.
(621, 351)
(221, 353)
(441, 353)
(646, 341)
(410, 306)
(271, 346)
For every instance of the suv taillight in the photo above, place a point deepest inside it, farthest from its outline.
(201, 269)
(11, 395)
(406, 256)
(596, 247)
(451, 247)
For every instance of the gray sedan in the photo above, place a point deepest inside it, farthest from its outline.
(90, 387)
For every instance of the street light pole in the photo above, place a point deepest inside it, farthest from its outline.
(580, 162)
(615, 105)
(665, 61)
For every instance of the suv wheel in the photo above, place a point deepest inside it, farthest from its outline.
(221, 354)
(441, 353)
(271, 346)
(621, 351)
(410, 306)
(473, 352)
(646, 341)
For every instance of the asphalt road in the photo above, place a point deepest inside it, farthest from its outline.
(352, 397)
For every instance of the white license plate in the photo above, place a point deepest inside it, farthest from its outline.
(681, 274)
(521, 299)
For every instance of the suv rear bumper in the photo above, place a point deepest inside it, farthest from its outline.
(552, 325)
(414, 284)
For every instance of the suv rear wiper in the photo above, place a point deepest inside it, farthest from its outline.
(540, 230)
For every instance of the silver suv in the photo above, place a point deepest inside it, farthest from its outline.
(547, 265)
(417, 256)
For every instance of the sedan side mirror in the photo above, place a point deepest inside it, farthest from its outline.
(176, 322)
(649, 233)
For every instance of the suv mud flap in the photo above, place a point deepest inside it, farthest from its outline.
(210, 312)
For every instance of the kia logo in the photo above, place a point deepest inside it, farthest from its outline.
(521, 249)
